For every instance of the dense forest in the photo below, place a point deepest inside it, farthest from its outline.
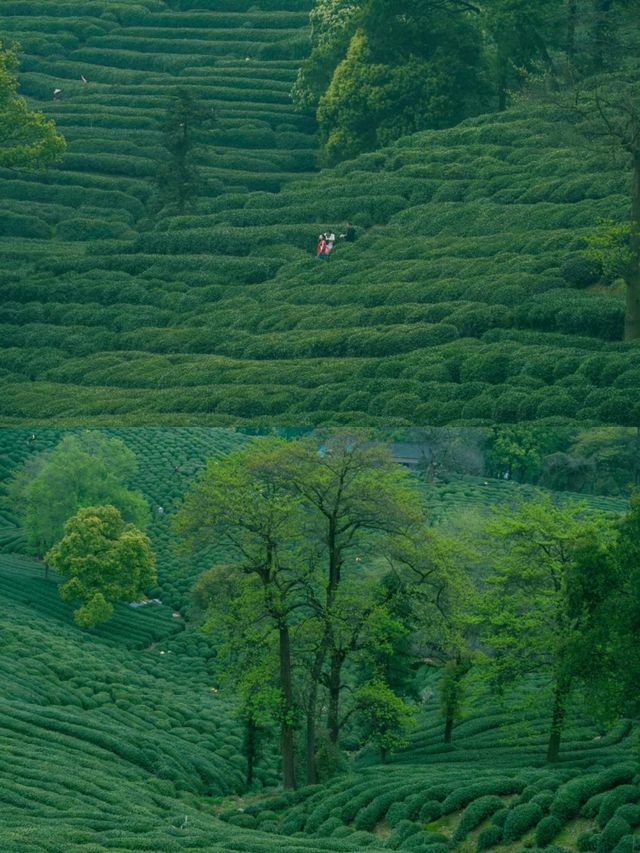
(163, 268)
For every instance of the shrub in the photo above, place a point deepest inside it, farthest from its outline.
(368, 817)
(587, 841)
(544, 800)
(500, 817)
(475, 813)
(519, 820)
(461, 796)
(629, 812)
(627, 844)
(547, 830)
(430, 811)
(404, 830)
(612, 833)
(580, 271)
(614, 799)
(80, 228)
(396, 813)
(489, 837)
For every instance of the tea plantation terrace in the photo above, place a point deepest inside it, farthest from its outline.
(114, 739)
(467, 296)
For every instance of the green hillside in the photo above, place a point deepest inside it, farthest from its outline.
(467, 296)
(112, 739)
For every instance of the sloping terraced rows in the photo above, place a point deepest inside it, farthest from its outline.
(105, 744)
(444, 809)
(168, 460)
(467, 296)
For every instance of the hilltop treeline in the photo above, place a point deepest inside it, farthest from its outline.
(380, 69)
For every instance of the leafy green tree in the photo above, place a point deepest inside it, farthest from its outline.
(526, 615)
(184, 120)
(452, 693)
(247, 645)
(355, 495)
(240, 502)
(521, 34)
(28, 139)
(409, 66)
(434, 569)
(88, 469)
(333, 23)
(385, 716)
(104, 560)
(516, 452)
(605, 112)
(606, 591)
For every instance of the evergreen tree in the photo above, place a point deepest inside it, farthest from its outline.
(178, 176)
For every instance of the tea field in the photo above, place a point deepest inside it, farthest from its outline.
(113, 739)
(467, 296)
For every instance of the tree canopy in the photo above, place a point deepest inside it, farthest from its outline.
(318, 532)
(28, 140)
(104, 560)
(87, 469)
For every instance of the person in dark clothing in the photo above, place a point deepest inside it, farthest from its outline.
(349, 233)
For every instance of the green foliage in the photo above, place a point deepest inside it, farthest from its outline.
(475, 813)
(178, 177)
(547, 830)
(85, 470)
(386, 717)
(489, 837)
(29, 140)
(104, 561)
(519, 820)
(394, 80)
(537, 567)
(613, 832)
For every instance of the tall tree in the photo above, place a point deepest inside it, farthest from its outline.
(607, 115)
(178, 176)
(526, 615)
(333, 23)
(247, 643)
(606, 592)
(239, 501)
(354, 493)
(409, 66)
(28, 140)
(521, 34)
(88, 469)
(104, 560)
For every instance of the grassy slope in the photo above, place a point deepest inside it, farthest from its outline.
(109, 744)
(454, 304)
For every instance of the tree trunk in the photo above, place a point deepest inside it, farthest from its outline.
(601, 33)
(311, 739)
(572, 13)
(502, 93)
(251, 732)
(333, 716)
(448, 729)
(288, 778)
(557, 723)
(632, 313)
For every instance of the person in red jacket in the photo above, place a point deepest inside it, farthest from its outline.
(322, 250)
